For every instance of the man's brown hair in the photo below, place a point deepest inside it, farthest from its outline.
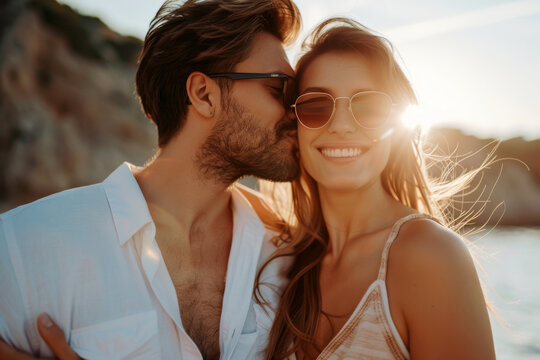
(201, 35)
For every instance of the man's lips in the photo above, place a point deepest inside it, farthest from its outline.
(287, 128)
(292, 133)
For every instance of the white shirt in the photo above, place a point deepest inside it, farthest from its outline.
(88, 257)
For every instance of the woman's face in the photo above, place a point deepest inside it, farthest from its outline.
(342, 155)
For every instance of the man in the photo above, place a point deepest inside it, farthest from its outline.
(160, 261)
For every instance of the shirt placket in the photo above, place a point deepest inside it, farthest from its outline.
(241, 270)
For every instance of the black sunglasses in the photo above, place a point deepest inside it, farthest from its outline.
(285, 79)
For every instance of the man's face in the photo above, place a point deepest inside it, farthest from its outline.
(256, 134)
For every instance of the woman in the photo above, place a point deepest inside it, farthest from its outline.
(377, 275)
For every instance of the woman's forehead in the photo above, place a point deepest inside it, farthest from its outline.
(339, 73)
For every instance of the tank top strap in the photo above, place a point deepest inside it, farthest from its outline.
(393, 234)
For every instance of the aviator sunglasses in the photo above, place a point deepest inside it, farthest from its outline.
(370, 109)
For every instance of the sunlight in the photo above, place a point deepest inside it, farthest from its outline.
(417, 116)
(152, 254)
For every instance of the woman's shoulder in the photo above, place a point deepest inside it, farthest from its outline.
(430, 264)
(433, 281)
(430, 261)
(261, 205)
(425, 241)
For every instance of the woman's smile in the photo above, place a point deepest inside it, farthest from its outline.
(343, 153)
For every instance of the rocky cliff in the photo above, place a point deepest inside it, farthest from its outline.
(68, 111)
(507, 192)
(69, 116)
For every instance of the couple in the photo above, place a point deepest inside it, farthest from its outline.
(177, 261)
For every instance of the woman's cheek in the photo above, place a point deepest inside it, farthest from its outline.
(305, 156)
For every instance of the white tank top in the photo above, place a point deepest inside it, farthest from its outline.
(370, 333)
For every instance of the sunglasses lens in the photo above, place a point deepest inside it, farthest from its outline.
(371, 110)
(314, 110)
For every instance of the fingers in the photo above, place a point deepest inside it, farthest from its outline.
(54, 337)
(7, 352)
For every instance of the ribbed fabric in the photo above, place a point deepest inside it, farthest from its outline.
(370, 332)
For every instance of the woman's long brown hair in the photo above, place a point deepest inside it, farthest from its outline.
(404, 177)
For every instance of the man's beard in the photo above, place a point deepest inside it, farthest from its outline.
(239, 146)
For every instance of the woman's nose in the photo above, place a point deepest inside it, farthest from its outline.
(342, 120)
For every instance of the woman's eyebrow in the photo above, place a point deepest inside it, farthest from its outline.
(317, 89)
(326, 90)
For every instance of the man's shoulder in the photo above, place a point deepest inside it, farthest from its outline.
(60, 205)
(68, 216)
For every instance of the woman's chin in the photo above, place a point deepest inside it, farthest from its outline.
(342, 184)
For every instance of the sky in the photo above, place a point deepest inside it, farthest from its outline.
(474, 64)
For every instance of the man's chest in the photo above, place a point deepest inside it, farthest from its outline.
(200, 299)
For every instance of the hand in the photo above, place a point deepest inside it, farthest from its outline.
(7, 352)
(53, 336)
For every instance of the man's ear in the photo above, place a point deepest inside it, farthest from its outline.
(203, 93)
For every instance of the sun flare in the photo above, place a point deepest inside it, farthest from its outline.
(417, 116)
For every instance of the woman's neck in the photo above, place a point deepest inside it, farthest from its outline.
(353, 213)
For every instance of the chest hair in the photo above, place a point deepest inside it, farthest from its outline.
(198, 274)
(200, 300)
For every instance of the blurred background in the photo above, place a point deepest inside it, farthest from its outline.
(69, 114)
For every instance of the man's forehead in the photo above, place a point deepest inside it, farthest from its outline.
(266, 55)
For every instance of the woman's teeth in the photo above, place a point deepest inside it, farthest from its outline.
(341, 153)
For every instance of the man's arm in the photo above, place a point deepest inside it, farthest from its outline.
(18, 337)
(53, 336)
(14, 327)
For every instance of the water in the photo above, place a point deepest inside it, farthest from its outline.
(511, 259)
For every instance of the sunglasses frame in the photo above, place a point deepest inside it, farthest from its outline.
(392, 105)
(250, 76)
